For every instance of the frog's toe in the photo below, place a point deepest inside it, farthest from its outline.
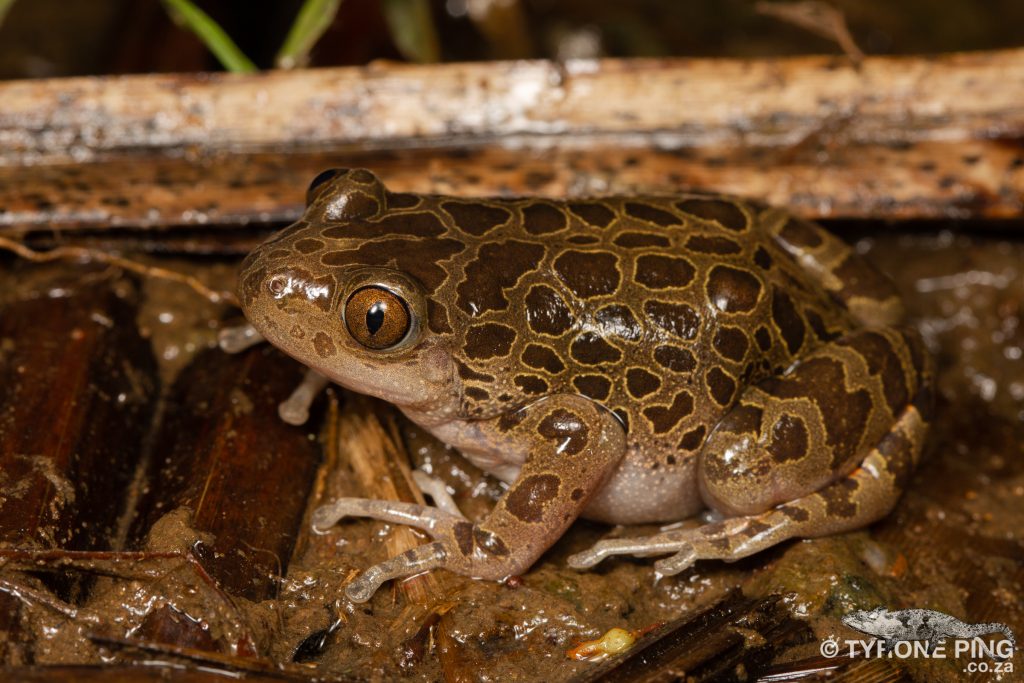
(587, 558)
(415, 561)
(680, 562)
(638, 547)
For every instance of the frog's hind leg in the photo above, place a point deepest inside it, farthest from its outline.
(849, 278)
(826, 447)
(867, 494)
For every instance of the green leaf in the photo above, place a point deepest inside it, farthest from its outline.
(412, 29)
(315, 17)
(5, 6)
(186, 14)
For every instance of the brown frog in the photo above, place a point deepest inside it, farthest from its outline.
(625, 359)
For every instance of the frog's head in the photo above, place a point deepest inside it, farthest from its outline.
(346, 290)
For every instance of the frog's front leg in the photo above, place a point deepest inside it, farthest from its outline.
(825, 448)
(573, 446)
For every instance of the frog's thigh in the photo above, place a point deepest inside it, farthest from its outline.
(870, 296)
(794, 434)
(856, 500)
(574, 445)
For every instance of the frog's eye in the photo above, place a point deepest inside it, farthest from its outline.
(377, 317)
(320, 181)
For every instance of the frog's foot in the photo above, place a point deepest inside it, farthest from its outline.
(294, 410)
(438, 491)
(238, 339)
(865, 495)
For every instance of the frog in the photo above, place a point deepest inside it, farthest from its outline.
(625, 359)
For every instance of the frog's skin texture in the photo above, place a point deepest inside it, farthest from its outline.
(628, 359)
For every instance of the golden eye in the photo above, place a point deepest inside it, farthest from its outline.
(376, 317)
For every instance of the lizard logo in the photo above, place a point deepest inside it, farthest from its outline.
(919, 625)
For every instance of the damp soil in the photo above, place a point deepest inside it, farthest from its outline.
(199, 555)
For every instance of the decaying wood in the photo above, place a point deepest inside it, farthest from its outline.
(79, 385)
(894, 138)
(225, 455)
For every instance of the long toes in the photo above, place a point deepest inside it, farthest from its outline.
(587, 558)
(363, 588)
(681, 561)
(326, 516)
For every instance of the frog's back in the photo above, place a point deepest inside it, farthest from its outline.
(660, 308)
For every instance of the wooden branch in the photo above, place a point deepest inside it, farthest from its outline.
(896, 138)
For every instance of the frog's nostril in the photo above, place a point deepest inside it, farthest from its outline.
(277, 285)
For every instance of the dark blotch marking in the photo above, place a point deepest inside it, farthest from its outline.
(475, 218)
(497, 267)
(713, 245)
(721, 386)
(489, 340)
(576, 494)
(596, 387)
(590, 349)
(640, 382)
(527, 499)
(763, 338)
(664, 418)
(794, 513)
(477, 394)
(731, 342)
(789, 439)
(466, 372)
(675, 358)
(883, 362)
(634, 240)
(844, 413)
(787, 320)
(531, 384)
(422, 259)
(652, 214)
(323, 345)
(742, 419)
(463, 533)
(618, 321)
(564, 426)
(724, 213)
(546, 313)
(402, 200)
(588, 273)
(693, 439)
(489, 542)
(593, 213)
(308, 245)
(679, 319)
(762, 258)
(819, 328)
(663, 272)
(839, 498)
(542, 358)
(732, 290)
(541, 219)
(799, 233)
(437, 317)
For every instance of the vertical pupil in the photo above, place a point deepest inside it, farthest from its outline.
(375, 317)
